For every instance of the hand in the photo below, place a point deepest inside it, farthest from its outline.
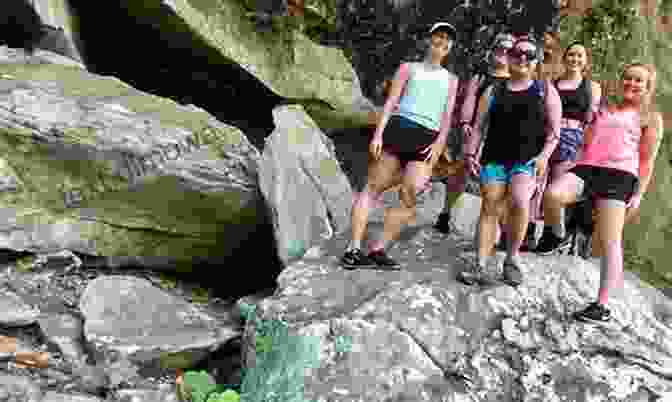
(633, 207)
(466, 130)
(376, 146)
(433, 152)
(541, 165)
(472, 165)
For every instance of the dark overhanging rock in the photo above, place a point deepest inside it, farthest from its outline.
(175, 64)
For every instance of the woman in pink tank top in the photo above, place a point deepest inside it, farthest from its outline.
(620, 148)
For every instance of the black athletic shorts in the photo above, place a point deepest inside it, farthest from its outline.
(406, 139)
(607, 183)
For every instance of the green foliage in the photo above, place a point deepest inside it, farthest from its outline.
(197, 386)
(281, 361)
(226, 396)
(343, 344)
(605, 29)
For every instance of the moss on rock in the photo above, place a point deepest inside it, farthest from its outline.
(80, 201)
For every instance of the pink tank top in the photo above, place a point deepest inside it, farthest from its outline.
(615, 142)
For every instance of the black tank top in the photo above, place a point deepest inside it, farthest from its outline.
(575, 102)
(516, 131)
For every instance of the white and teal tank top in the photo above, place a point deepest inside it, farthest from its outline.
(425, 95)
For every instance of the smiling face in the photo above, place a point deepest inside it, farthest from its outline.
(440, 44)
(576, 58)
(523, 59)
(635, 83)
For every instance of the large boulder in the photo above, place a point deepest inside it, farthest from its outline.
(420, 335)
(308, 193)
(284, 59)
(135, 320)
(92, 165)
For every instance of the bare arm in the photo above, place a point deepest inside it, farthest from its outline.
(396, 89)
(469, 104)
(648, 150)
(472, 143)
(596, 91)
(553, 117)
(446, 120)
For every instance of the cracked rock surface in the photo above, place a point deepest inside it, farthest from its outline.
(420, 335)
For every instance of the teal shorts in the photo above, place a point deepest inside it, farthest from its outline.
(497, 173)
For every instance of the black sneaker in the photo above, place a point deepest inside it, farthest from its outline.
(383, 261)
(353, 259)
(511, 274)
(443, 223)
(550, 243)
(475, 274)
(528, 243)
(502, 243)
(594, 313)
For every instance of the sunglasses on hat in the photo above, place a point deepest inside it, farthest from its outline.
(518, 53)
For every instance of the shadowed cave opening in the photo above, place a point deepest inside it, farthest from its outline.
(174, 63)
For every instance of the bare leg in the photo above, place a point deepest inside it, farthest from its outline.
(493, 197)
(522, 188)
(561, 192)
(611, 217)
(415, 177)
(383, 174)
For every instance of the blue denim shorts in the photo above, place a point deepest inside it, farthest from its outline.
(571, 140)
(498, 173)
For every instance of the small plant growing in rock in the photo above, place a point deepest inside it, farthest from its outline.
(226, 396)
(196, 386)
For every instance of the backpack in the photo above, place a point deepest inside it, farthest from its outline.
(486, 81)
(539, 85)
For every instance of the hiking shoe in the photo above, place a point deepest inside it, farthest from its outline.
(528, 242)
(443, 223)
(382, 261)
(551, 243)
(353, 259)
(594, 313)
(474, 274)
(511, 273)
(502, 243)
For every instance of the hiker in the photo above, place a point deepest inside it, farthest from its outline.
(407, 142)
(618, 157)
(523, 124)
(499, 71)
(580, 98)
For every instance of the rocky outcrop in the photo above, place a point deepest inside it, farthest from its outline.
(420, 335)
(135, 320)
(284, 59)
(92, 165)
(108, 332)
(41, 24)
(303, 184)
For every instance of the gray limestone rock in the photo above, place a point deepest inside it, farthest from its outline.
(14, 312)
(303, 184)
(129, 317)
(383, 335)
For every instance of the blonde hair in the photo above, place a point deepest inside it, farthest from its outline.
(647, 108)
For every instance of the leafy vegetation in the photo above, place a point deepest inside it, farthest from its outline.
(279, 372)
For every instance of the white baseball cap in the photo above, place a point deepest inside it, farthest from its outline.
(444, 26)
